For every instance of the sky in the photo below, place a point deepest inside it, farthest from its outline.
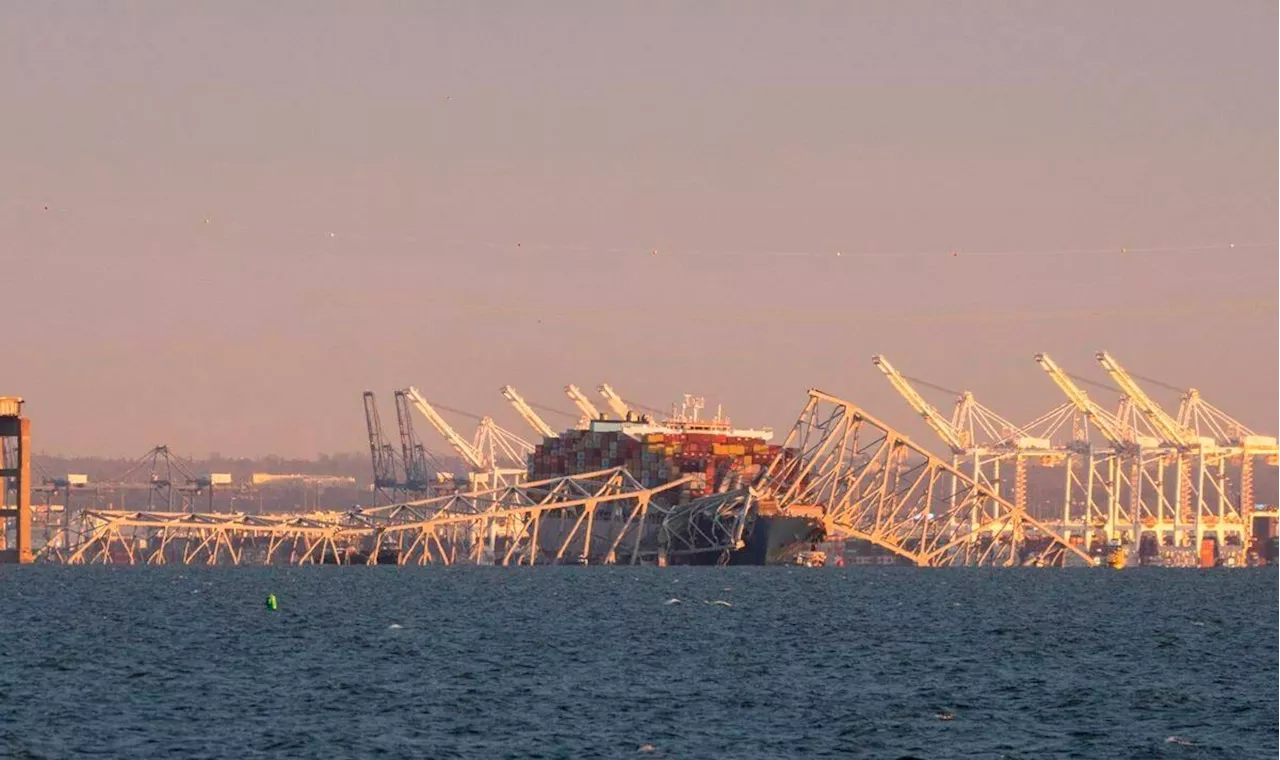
(221, 222)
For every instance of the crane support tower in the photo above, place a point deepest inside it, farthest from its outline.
(413, 452)
(15, 443)
(382, 454)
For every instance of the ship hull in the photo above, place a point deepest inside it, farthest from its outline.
(771, 540)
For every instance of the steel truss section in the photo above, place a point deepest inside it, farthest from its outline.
(715, 524)
(598, 517)
(156, 538)
(875, 484)
(603, 516)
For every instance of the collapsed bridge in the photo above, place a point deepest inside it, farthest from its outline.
(840, 468)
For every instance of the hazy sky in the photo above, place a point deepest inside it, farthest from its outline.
(255, 211)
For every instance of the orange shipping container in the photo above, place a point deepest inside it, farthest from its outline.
(1208, 552)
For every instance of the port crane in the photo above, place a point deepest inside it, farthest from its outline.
(615, 402)
(168, 479)
(417, 474)
(1110, 425)
(1111, 477)
(1130, 473)
(940, 425)
(1165, 426)
(1205, 419)
(527, 413)
(1191, 451)
(382, 454)
(580, 400)
(494, 455)
(980, 436)
(1236, 443)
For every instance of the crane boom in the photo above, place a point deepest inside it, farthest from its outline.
(1103, 420)
(615, 402)
(581, 401)
(459, 444)
(526, 411)
(1160, 421)
(941, 425)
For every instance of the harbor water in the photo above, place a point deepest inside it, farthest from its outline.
(603, 662)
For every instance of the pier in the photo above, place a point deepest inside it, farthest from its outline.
(15, 478)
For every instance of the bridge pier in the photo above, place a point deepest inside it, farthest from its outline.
(14, 425)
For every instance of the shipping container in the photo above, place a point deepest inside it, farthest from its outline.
(715, 462)
(1208, 552)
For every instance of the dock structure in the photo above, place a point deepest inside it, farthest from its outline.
(15, 479)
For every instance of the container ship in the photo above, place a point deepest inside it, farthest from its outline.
(716, 456)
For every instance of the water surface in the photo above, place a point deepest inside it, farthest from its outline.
(593, 662)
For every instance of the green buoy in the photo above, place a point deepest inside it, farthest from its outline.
(271, 601)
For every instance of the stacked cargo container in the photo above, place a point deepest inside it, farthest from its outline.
(716, 462)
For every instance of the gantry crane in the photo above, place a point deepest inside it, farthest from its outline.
(495, 456)
(526, 412)
(1165, 426)
(1104, 421)
(1133, 466)
(1222, 439)
(1202, 452)
(972, 423)
(417, 477)
(1112, 477)
(1205, 419)
(960, 447)
(170, 481)
(381, 452)
(469, 454)
(979, 435)
(986, 440)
